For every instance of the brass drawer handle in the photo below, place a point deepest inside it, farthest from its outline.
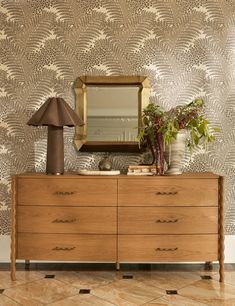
(65, 193)
(166, 250)
(63, 249)
(166, 193)
(167, 221)
(64, 220)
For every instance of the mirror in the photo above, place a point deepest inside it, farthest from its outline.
(111, 108)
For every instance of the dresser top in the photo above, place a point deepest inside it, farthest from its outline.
(75, 175)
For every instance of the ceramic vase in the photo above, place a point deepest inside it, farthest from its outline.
(174, 154)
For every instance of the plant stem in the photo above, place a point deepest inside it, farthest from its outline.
(161, 152)
(149, 142)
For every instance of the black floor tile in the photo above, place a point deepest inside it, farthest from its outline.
(127, 276)
(49, 276)
(171, 292)
(84, 291)
(206, 277)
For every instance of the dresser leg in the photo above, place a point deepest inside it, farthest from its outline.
(117, 266)
(27, 264)
(208, 265)
(13, 229)
(221, 271)
(13, 270)
(221, 229)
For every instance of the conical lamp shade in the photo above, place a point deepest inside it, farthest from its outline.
(55, 113)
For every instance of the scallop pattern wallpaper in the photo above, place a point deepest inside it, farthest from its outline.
(185, 47)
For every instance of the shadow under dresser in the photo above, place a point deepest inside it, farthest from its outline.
(118, 219)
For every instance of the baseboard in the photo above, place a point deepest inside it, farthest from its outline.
(5, 243)
(229, 248)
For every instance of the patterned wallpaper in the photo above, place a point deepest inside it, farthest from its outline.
(185, 47)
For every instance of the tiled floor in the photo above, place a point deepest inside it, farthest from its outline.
(150, 287)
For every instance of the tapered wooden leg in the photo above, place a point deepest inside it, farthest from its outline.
(27, 264)
(117, 266)
(221, 271)
(208, 265)
(13, 270)
(221, 229)
(13, 229)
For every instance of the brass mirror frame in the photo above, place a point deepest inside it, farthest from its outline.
(80, 87)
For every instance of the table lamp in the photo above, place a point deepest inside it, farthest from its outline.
(55, 113)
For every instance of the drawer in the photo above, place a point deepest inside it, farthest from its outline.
(171, 192)
(167, 220)
(98, 248)
(67, 191)
(63, 219)
(167, 248)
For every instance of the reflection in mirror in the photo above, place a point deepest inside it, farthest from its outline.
(112, 113)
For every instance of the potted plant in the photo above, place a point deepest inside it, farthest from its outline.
(166, 131)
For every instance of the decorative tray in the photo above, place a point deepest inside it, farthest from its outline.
(140, 173)
(98, 172)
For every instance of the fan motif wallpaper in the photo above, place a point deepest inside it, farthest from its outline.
(186, 48)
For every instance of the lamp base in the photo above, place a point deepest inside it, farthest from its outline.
(55, 173)
(55, 150)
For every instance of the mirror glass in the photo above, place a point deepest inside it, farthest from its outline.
(112, 113)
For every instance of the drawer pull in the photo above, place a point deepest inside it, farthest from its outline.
(166, 250)
(166, 193)
(63, 249)
(64, 193)
(167, 221)
(64, 221)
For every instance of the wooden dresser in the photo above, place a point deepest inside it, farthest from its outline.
(119, 219)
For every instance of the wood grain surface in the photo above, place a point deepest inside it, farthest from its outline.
(67, 247)
(167, 220)
(170, 192)
(63, 219)
(167, 248)
(67, 191)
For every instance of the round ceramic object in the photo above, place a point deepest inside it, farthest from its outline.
(105, 165)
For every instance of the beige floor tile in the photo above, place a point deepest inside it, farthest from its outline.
(40, 292)
(168, 280)
(128, 292)
(108, 288)
(210, 292)
(87, 279)
(82, 300)
(211, 273)
(63, 276)
(229, 277)
(5, 301)
(174, 300)
(22, 277)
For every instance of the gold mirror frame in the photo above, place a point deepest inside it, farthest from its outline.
(80, 88)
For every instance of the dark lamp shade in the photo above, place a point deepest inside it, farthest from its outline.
(55, 113)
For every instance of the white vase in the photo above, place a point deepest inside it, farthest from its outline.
(174, 154)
